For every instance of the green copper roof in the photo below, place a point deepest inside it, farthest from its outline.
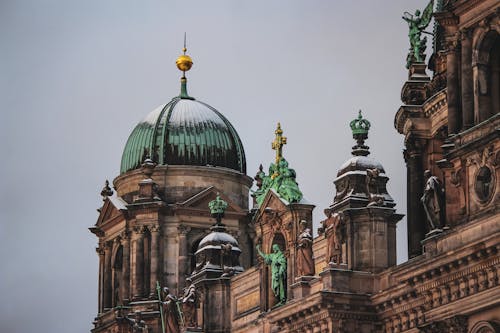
(184, 132)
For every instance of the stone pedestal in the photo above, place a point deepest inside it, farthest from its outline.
(414, 90)
(429, 243)
(335, 279)
(302, 286)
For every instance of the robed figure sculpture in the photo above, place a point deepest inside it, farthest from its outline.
(277, 261)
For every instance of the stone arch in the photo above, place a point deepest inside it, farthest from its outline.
(280, 240)
(485, 327)
(116, 278)
(193, 248)
(486, 74)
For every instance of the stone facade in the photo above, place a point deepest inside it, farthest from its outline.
(347, 279)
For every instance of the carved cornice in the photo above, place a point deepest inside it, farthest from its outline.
(440, 286)
(405, 113)
(434, 104)
(446, 19)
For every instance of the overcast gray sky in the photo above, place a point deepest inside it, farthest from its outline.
(77, 76)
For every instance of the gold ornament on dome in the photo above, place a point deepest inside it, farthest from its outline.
(184, 62)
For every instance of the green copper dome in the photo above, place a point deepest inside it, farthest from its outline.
(184, 132)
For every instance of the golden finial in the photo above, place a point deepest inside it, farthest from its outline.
(184, 62)
(278, 143)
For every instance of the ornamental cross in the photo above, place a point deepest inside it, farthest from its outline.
(278, 143)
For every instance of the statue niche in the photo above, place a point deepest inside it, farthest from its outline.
(278, 273)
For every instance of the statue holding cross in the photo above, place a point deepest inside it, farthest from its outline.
(281, 177)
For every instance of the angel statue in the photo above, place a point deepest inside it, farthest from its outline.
(417, 25)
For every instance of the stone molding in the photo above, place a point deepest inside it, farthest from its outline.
(440, 286)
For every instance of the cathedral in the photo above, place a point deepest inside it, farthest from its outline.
(186, 245)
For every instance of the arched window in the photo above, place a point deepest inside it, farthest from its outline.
(485, 327)
(486, 68)
(117, 276)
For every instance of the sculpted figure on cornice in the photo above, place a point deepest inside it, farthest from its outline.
(190, 303)
(417, 24)
(433, 201)
(172, 314)
(305, 263)
(334, 230)
(372, 188)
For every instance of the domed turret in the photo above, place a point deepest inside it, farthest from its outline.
(218, 252)
(361, 180)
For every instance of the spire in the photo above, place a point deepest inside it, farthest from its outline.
(184, 64)
(360, 128)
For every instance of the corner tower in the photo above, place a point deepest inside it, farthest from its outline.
(177, 160)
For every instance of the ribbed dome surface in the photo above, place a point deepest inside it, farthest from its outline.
(185, 132)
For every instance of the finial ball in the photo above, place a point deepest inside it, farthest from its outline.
(184, 62)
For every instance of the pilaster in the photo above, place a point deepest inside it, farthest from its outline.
(467, 79)
(125, 284)
(416, 226)
(153, 276)
(107, 291)
(138, 281)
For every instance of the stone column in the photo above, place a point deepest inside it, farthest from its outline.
(100, 252)
(183, 254)
(453, 93)
(126, 267)
(467, 80)
(139, 263)
(107, 290)
(416, 223)
(153, 276)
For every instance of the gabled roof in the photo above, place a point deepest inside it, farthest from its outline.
(200, 201)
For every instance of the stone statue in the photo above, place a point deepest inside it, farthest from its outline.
(335, 234)
(138, 325)
(416, 25)
(171, 312)
(277, 261)
(189, 304)
(375, 199)
(281, 178)
(305, 263)
(433, 201)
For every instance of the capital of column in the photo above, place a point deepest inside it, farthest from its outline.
(414, 147)
(184, 229)
(465, 34)
(108, 245)
(452, 44)
(139, 229)
(154, 228)
(125, 236)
